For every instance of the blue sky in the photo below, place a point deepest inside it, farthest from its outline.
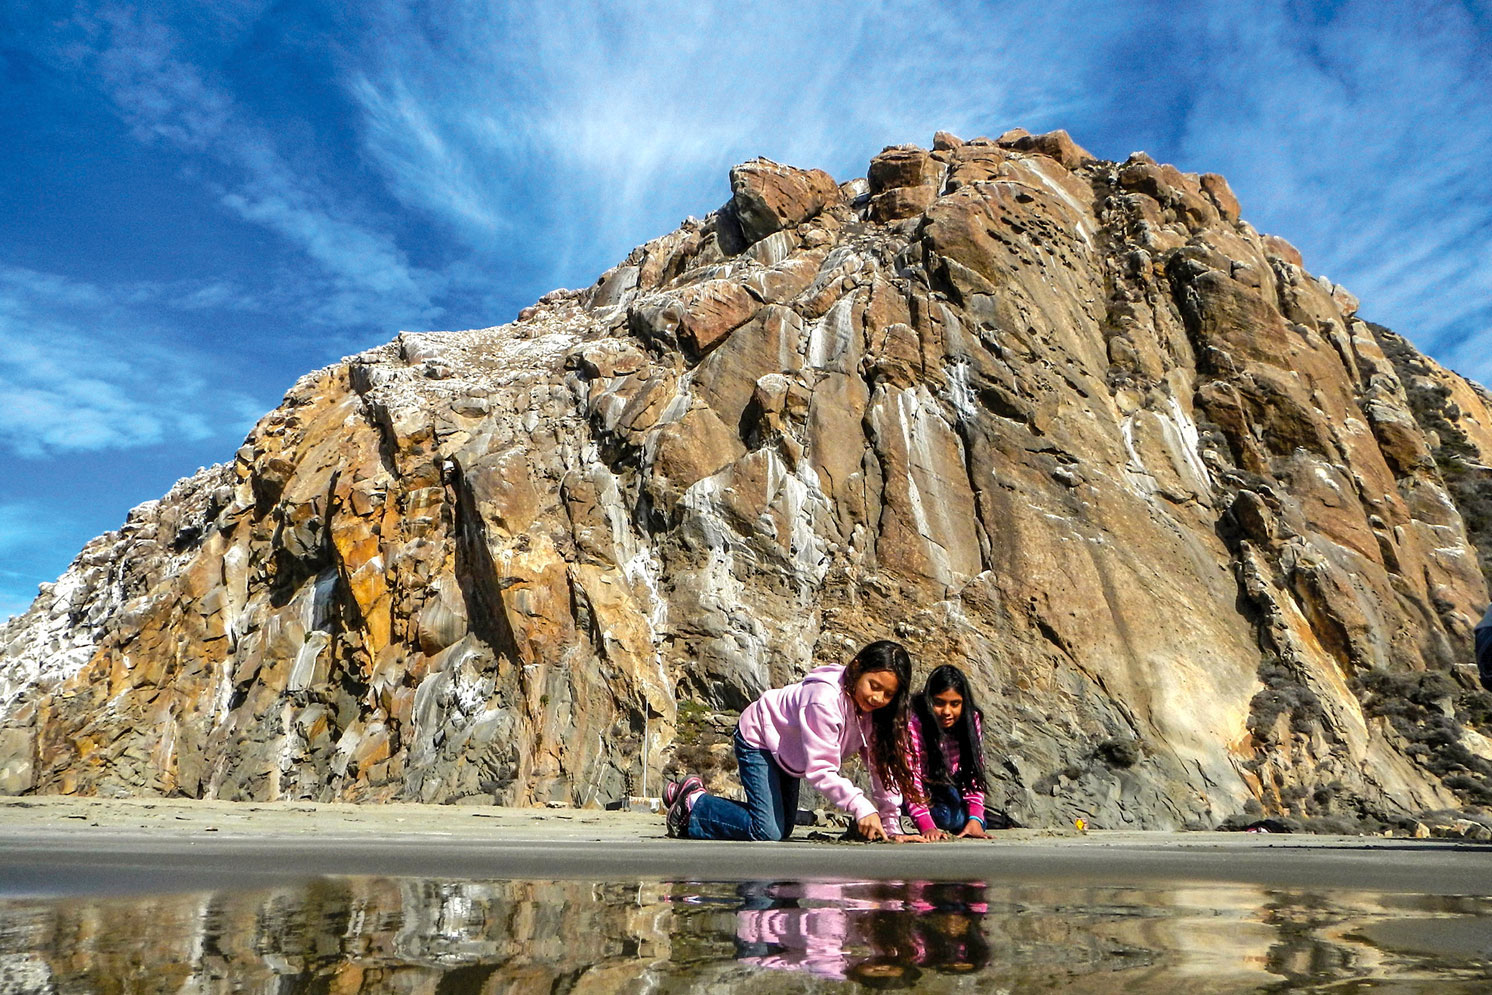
(202, 202)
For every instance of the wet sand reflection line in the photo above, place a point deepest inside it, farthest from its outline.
(366, 934)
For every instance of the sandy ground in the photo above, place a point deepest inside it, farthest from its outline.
(51, 845)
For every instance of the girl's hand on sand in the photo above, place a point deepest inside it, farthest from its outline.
(936, 835)
(870, 827)
(974, 831)
(910, 838)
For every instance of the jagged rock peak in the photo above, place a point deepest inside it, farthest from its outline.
(1209, 544)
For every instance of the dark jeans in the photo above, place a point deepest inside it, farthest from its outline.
(949, 813)
(771, 807)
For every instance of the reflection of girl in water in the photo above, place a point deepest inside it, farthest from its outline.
(945, 751)
(947, 930)
(880, 934)
(951, 942)
(892, 958)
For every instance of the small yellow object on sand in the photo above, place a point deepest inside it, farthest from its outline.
(1082, 826)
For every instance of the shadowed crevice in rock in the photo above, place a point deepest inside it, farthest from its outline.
(477, 573)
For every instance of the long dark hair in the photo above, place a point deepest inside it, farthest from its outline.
(965, 732)
(888, 723)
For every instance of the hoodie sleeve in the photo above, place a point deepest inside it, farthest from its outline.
(821, 729)
(916, 763)
(887, 798)
(975, 799)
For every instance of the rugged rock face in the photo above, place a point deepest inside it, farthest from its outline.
(1198, 532)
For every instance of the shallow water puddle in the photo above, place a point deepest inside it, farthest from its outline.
(350, 935)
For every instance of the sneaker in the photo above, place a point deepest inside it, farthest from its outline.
(681, 803)
(673, 789)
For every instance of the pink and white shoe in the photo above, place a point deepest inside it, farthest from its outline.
(679, 796)
(687, 786)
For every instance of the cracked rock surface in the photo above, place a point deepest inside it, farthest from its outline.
(1210, 545)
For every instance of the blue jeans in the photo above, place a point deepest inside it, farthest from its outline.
(771, 808)
(949, 813)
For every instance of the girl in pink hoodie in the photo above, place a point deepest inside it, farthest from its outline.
(806, 731)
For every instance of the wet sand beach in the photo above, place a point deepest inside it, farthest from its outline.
(53, 845)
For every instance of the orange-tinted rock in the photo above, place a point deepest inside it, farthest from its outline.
(1277, 246)
(1222, 195)
(713, 312)
(902, 202)
(944, 140)
(1056, 144)
(769, 197)
(902, 166)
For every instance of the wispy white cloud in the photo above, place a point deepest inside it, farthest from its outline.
(550, 143)
(603, 127)
(362, 275)
(424, 167)
(1360, 135)
(1364, 139)
(81, 369)
(1359, 138)
(1470, 355)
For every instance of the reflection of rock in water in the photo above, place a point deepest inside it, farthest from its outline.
(359, 935)
(344, 936)
(1441, 940)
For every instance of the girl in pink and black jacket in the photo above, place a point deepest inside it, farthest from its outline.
(805, 731)
(945, 738)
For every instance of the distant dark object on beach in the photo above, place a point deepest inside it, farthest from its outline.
(1484, 649)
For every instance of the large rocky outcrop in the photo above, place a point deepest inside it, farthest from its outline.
(1198, 531)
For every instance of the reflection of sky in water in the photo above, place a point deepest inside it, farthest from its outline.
(355, 935)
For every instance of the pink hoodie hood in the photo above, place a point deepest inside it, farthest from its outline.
(811, 728)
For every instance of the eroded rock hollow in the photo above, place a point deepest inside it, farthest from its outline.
(1210, 545)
